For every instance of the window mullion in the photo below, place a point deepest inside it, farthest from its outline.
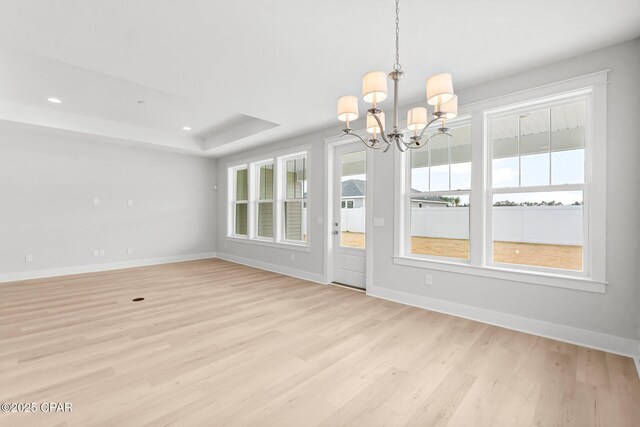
(477, 192)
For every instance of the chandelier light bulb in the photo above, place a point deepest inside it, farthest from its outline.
(374, 87)
(347, 108)
(417, 118)
(439, 89)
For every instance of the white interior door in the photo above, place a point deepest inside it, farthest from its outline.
(349, 219)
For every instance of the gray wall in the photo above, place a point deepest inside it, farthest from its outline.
(48, 182)
(615, 312)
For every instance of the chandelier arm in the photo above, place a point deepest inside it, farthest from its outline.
(349, 132)
(438, 117)
(402, 146)
(364, 141)
(384, 137)
(412, 145)
(436, 134)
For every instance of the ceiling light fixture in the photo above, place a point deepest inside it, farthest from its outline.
(54, 100)
(187, 128)
(374, 90)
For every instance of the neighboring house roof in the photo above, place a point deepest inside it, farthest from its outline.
(430, 199)
(354, 188)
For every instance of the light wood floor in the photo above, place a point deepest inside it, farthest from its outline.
(216, 343)
(538, 254)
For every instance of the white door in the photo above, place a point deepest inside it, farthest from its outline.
(349, 205)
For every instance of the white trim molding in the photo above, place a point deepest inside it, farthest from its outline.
(280, 245)
(596, 340)
(275, 268)
(95, 268)
(524, 276)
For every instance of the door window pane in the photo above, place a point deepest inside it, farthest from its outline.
(353, 188)
(539, 229)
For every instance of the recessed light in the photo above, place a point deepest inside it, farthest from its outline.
(54, 100)
(186, 128)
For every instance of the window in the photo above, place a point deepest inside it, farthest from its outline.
(268, 200)
(295, 200)
(240, 202)
(440, 184)
(265, 200)
(516, 191)
(537, 192)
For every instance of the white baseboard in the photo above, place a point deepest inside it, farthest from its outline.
(92, 268)
(569, 334)
(287, 271)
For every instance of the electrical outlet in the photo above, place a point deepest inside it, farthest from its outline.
(129, 251)
(130, 202)
(428, 279)
(96, 201)
(101, 252)
(28, 258)
(96, 252)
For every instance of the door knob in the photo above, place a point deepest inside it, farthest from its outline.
(335, 232)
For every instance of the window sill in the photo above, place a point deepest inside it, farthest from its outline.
(556, 280)
(300, 247)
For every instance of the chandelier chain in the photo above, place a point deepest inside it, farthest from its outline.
(397, 65)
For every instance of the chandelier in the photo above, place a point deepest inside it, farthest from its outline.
(374, 90)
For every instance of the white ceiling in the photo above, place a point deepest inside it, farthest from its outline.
(208, 64)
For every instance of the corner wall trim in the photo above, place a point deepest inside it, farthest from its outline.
(596, 340)
(287, 271)
(94, 268)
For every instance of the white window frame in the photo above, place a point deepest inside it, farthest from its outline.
(452, 124)
(256, 167)
(283, 199)
(252, 165)
(490, 191)
(593, 278)
(232, 179)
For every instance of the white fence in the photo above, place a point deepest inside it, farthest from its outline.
(561, 225)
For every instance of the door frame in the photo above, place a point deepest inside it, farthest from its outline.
(329, 161)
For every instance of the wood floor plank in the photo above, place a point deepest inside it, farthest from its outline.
(216, 343)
